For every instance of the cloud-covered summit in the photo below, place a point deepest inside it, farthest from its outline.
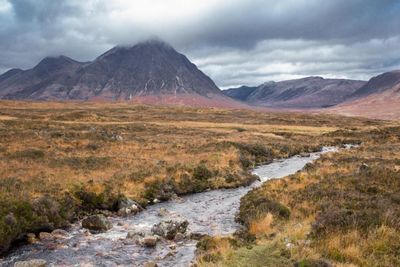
(235, 42)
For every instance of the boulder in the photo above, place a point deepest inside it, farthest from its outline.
(169, 229)
(149, 241)
(59, 233)
(45, 236)
(127, 206)
(31, 263)
(96, 223)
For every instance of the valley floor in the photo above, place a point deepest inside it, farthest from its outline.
(60, 161)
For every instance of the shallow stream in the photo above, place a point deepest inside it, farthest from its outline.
(211, 213)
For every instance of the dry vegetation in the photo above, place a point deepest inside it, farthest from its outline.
(60, 160)
(342, 210)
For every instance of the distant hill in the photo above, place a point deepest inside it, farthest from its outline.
(306, 93)
(148, 72)
(379, 98)
(378, 84)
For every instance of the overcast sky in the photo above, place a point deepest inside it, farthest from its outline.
(235, 42)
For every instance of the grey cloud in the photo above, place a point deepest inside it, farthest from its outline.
(235, 42)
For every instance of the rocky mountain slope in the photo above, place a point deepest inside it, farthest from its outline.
(149, 72)
(310, 92)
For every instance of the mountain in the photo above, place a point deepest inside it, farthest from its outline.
(240, 93)
(378, 99)
(148, 72)
(378, 84)
(310, 92)
(9, 74)
(47, 80)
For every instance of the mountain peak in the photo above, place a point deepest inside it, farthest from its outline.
(151, 69)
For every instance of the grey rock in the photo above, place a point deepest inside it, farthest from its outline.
(31, 263)
(135, 235)
(59, 233)
(130, 204)
(179, 237)
(96, 223)
(45, 236)
(169, 229)
(149, 241)
(163, 212)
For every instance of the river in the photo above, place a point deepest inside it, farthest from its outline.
(210, 212)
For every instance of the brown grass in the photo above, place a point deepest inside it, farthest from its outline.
(87, 155)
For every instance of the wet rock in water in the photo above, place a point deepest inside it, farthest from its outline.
(150, 264)
(305, 155)
(149, 241)
(127, 206)
(155, 201)
(31, 263)
(163, 212)
(59, 233)
(44, 236)
(135, 235)
(124, 212)
(177, 198)
(96, 223)
(169, 229)
(179, 237)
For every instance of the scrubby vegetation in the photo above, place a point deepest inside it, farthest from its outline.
(59, 160)
(344, 211)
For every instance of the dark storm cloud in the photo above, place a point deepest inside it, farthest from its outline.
(235, 42)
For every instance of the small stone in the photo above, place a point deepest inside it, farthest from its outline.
(31, 263)
(31, 238)
(45, 236)
(155, 201)
(149, 241)
(196, 236)
(59, 233)
(179, 237)
(163, 212)
(150, 264)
